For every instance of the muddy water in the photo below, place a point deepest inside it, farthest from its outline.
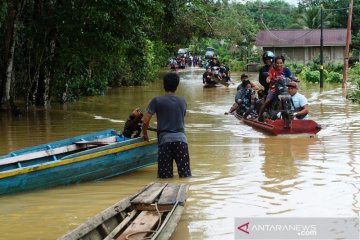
(237, 171)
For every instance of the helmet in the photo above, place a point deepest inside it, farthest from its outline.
(268, 54)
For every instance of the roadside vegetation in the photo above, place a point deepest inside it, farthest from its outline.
(57, 51)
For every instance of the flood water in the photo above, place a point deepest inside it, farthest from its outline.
(237, 171)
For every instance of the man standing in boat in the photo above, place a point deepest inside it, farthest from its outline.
(170, 112)
(268, 59)
(299, 103)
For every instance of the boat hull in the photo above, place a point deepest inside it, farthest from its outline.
(277, 127)
(86, 165)
(152, 213)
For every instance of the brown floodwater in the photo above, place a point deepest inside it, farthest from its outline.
(237, 171)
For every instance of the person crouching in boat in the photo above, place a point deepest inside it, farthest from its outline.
(299, 103)
(245, 98)
(133, 125)
(274, 74)
(256, 104)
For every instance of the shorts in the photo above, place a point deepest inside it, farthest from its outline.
(271, 95)
(170, 151)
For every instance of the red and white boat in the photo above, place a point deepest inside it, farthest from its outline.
(278, 126)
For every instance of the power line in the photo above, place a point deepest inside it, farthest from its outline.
(280, 39)
(264, 7)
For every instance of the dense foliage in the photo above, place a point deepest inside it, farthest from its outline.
(55, 50)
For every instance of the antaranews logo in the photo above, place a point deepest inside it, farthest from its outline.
(296, 228)
(244, 228)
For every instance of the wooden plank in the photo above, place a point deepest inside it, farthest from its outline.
(141, 226)
(152, 207)
(169, 194)
(121, 225)
(219, 80)
(99, 142)
(182, 194)
(150, 194)
(92, 223)
(91, 143)
(47, 153)
(169, 224)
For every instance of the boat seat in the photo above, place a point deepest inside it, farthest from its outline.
(92, 143)
(54, 151)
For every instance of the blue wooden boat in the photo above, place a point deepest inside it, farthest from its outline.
(94, 156)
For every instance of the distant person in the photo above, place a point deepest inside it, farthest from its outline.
(208, 77)
(214, 62)
(172, 142)
(224, 72)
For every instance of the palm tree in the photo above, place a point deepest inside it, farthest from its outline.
(309, 18)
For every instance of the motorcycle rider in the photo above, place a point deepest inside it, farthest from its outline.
(274, 74)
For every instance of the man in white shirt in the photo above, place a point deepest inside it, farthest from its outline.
(299, 103)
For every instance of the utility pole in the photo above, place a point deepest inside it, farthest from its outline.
(347, 47)
(321, 48)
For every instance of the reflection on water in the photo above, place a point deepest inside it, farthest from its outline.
(237, 171)
(281, 164)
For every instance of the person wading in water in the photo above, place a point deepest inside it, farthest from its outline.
(170, 112)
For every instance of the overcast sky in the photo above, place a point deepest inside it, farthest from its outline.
(292, 2)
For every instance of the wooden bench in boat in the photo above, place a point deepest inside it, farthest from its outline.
(152, 203)
(54, 151)
(152, 213)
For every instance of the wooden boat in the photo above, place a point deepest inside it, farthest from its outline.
(210, 86)
(278, 126)
(152, 213)
(217, 79)
(93, 156)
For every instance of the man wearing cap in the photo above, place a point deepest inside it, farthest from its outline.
(245, 78)
(298, 101)
(214, 62)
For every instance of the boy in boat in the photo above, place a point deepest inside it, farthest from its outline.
(133, 125)
(170, 112)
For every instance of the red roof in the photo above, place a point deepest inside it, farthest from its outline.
(300, 37)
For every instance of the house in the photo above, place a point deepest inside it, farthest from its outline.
(303, 45)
